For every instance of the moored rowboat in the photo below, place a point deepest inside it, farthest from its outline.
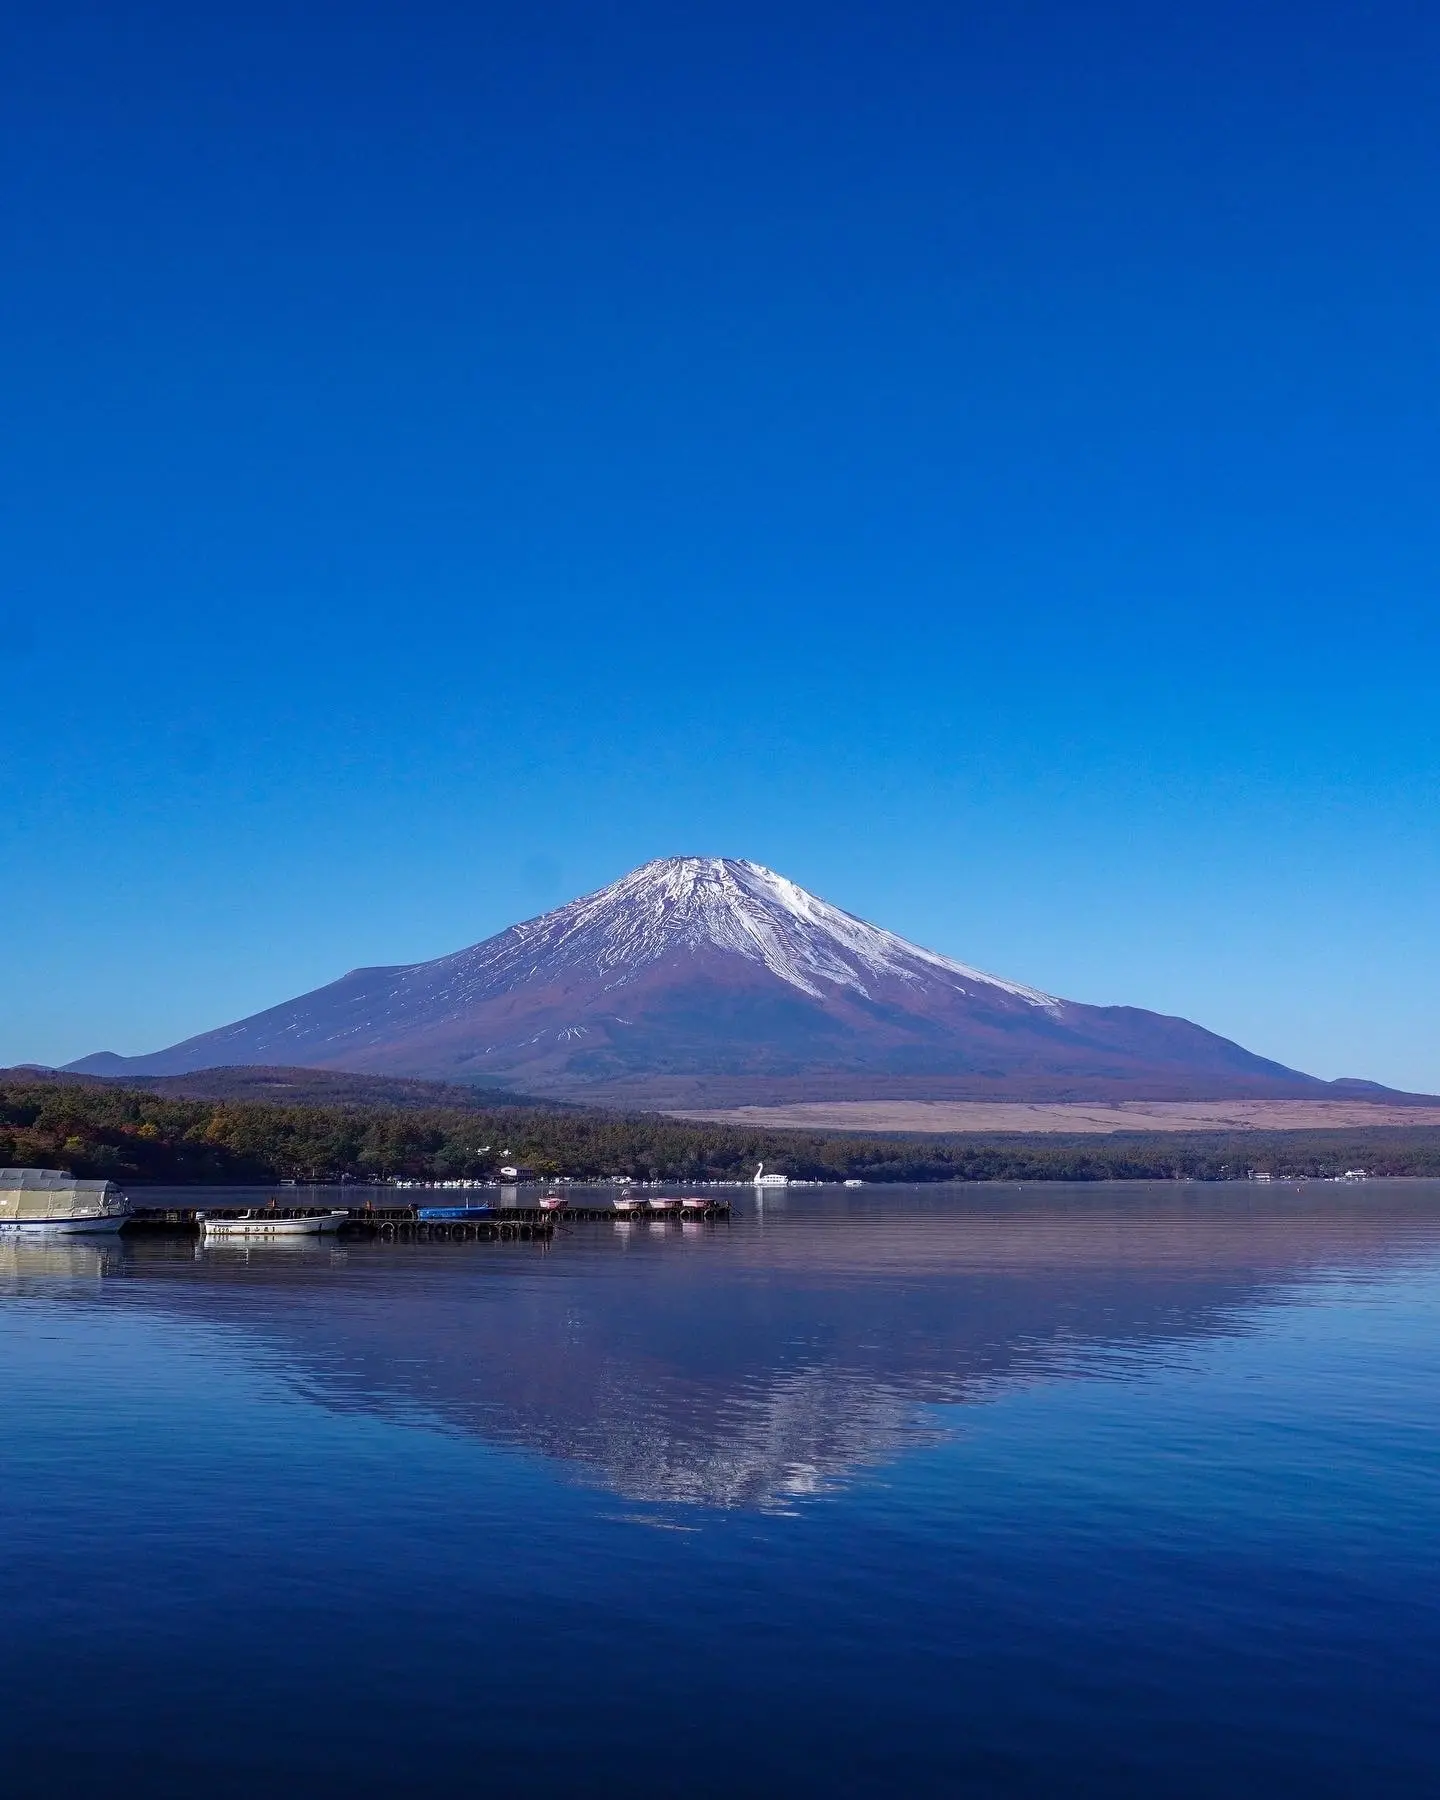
(270, 1225)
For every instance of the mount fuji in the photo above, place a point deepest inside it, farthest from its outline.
(706, 980)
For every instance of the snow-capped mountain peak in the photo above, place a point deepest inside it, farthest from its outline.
(700, 975)
(679, 905)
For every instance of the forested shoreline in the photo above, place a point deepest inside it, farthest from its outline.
(136, 1137)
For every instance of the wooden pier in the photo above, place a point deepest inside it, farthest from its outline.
(402, 1224)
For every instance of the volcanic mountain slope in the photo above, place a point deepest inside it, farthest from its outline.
(704, 979)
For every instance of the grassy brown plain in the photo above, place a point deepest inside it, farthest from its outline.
(950, 1116)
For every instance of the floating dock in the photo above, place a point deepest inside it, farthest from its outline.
(402, 1223)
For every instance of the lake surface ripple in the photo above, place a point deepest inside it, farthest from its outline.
(1106, 1490)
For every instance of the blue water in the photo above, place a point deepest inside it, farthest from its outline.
(1126, 1490)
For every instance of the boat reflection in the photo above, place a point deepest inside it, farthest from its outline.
(82, 1259)
(312, 1249)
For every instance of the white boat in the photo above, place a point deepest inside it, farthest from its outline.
(552, 1203)
(263, 1224)
(761, 1179)
(51, 1202)
(626, 1203)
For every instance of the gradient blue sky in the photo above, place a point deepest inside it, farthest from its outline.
(981, 461)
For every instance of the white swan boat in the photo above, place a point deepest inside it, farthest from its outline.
(51, 1202)
(761, 1179)
(262, 1224)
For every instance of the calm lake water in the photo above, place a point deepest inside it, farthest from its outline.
(1118, 1490)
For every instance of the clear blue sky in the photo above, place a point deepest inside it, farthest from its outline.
(981, 461)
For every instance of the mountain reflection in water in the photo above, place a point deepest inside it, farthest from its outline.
(743, 1365)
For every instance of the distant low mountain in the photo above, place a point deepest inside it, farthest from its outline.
(704, 980)
(277, 1086)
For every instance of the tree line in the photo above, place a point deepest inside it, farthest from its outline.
(136, 1136)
